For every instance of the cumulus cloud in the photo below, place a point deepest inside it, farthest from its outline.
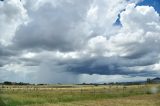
(135, 45)
(12, 15)
(138, 36)
(67, 25)
(49, 40)
(54, 27)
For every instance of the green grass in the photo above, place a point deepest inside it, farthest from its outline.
(2, 103)
(21, 97)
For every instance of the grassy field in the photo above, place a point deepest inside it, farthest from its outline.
(2, 103)
(51, 95)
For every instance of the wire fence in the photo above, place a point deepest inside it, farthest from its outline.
(82, 89)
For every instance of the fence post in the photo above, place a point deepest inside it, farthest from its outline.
(94, 91)
(1, 89)
(124, 88)
(81, 91)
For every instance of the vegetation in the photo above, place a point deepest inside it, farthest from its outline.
(1, 102)
(52, 95)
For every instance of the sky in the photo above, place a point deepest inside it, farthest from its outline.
(77, 41)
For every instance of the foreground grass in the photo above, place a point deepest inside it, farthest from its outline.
(86, 96)
(2, 103)
(142, 100)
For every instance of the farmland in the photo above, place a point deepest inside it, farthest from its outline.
(80, 95)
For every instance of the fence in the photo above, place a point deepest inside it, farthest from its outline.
(78, 89)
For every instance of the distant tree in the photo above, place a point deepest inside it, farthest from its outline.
(104, 83)
(149, 80)
(7, 83)
(40, 84)
(84, 83)
(59, 83)
(95, 84)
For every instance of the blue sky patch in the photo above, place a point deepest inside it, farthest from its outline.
(153, 3)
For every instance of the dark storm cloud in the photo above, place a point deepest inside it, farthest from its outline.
(4, 52)
(54, 28)
(110, 66)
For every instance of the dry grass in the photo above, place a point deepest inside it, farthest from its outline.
(143, 100)
(81, 96)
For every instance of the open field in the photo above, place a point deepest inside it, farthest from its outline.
(142, 100)
(79, 95)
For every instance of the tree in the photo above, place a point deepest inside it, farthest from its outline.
(7, 83)
(149, 80)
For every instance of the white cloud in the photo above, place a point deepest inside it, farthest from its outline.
(85, 78)
(73, 37)
(29, 55)
(12, 15)
(140, 18)
(156, 67)
(138, 33)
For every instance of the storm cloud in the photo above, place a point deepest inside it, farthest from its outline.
(73, 41)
